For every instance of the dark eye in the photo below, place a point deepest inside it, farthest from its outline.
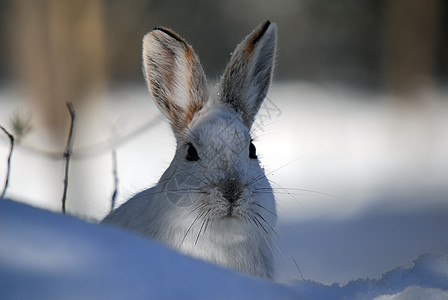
(252, 151)
(192, 154)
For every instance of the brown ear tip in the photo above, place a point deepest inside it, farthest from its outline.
(169, 33)
(268, 25)
(261, 31)
(163, 29)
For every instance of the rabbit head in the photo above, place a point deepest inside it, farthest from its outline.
(214, 200)
(215, 154)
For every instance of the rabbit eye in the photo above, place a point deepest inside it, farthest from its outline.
(192, 154)
(252, 151)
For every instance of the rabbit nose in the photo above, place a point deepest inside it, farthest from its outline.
(231, 189)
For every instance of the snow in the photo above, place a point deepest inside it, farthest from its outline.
(44, 255)
(428, 275)
(49, 256)
(416, 293)
(366, 245)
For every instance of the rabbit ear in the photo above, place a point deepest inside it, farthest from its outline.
(246, 80)
(174, 76)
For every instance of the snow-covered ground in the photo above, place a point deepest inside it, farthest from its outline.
(360, 179)
(49, 256)
(44, 255)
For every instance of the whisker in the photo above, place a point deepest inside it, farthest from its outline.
(200, 229)
(287, 193)
(206, 224)
(248, 220)
(260, 177)
(268, 242)
(311, 192)
(189, 228)
(256, 179)
(264, 192)
(259, 223)
(284, 244)
(202, 205)
(261, 206)
(285, 165)
(298, 192)
(197, 191)
(298, 268)
(261, 217)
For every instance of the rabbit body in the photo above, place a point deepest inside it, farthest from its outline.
(214, 201)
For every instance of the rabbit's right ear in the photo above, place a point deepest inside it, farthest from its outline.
(246, 80)
(174, 76)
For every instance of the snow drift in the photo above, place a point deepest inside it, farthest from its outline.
(49, 256)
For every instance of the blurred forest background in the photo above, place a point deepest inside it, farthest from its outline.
(63, 49)
(55, 51)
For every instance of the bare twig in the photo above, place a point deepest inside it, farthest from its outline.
(115, 174)
(94, 149)
(8, 168)
(68, 152)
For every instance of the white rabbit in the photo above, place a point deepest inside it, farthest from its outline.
(214, 201)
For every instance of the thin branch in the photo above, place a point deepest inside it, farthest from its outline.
(8, 168)
(68, 152)
(115, 174)
(97, 148)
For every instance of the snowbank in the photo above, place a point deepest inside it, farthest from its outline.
(428, 276)
(49, 256)
(416, 293)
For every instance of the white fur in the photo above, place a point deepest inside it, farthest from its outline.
(189, 209)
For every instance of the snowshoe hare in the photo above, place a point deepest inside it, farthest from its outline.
(214, 201)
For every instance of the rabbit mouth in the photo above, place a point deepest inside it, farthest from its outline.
(235, 212)
(231, 213)
(226, 211)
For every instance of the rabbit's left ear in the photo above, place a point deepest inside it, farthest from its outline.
(246, 80)
(174, 76)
